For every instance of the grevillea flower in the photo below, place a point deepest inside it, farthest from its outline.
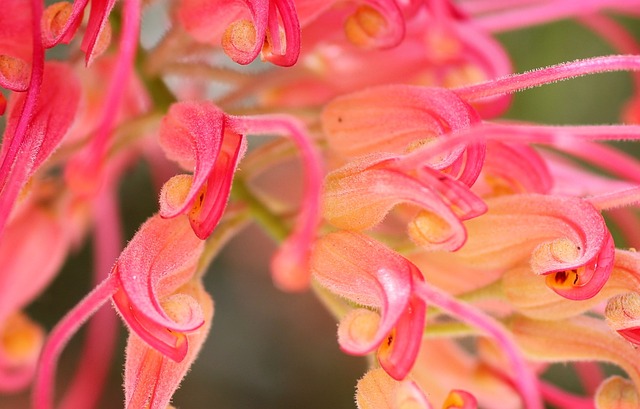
(149, 274)
(368, 273)
(360, 194)
(245, 29)
(569, 242)
(201, 137)
(150, 377)
(61, 20)
(385, 283)
(532, 297)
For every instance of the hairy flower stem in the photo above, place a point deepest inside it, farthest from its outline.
(542, 76)
(612, 200)
(44, 383)
(99, 345)
(524, 378)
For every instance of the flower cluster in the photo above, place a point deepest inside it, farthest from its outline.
(461, 252)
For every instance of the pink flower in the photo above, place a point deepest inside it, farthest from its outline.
(201, 137)
(152, 273)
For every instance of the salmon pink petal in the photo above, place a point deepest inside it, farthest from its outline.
(97, 36)
(565, 239)
(282, 51)
(362, 270)
(60, 21)
(157, 261)
(359, 195)
(514, 168)
(150, 378)
(192, 134)
(394, 118)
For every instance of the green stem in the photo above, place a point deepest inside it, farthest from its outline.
(448, 329)
(261, 213)
(234, 220)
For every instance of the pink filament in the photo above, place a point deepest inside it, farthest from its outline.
(535, 78)
(88, 383)
(524, 378)
(620, 198)
(299, 243)
(44, 382)
(122, 73)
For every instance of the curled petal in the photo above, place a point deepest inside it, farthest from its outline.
(533, 298)
(193, 134)
(98, 34)
(360, 269)
(244, 39)
(60, 21)
(617, 393)
(282, 45)
(60, 93)
(150, 378)
(156, 262)
(359, 195)
(565, 239)
(392, 118)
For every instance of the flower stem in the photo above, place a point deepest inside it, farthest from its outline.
(535, 78)
(45, 376)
